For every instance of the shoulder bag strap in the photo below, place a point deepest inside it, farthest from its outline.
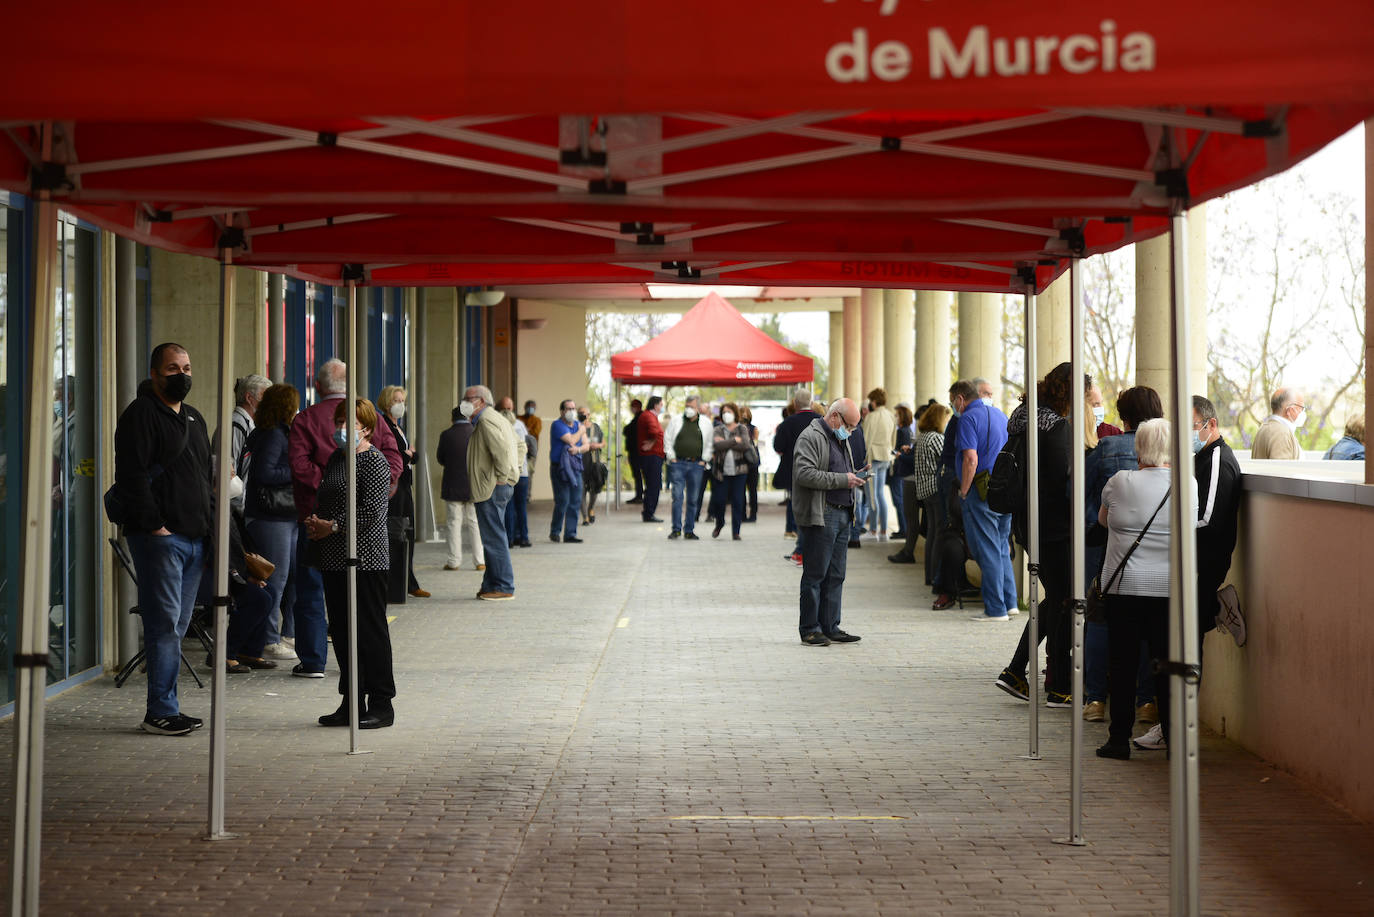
(1131, 550)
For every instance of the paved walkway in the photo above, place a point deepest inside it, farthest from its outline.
(640, 731)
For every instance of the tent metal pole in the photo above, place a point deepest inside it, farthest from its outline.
(615, 449)
(1184, 668)
(31, 658)
(1078, 529)
(1033, 525)
(223, 472)
(351, 510)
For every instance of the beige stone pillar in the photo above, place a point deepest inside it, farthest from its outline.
(871, 373)
(1052, 326)
(1152, 282)
(837, 343)
(980, 337)
(899, 345)
(1368, 283)
(441, 380)
(932, 346)
(853, 352)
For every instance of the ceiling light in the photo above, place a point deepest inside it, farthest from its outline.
(691, 291)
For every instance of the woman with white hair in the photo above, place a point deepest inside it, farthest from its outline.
(1135, 578)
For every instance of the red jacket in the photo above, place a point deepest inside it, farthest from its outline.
(650, 430)
(311, 443)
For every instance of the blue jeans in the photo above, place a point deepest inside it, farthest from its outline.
(825, 554)
(879, 493)
(499, 575)
(312, 624)
(168, 568)
(517, 513)
(731, 489)
(567, 504)
(989, 540)
(276, 539)
(684, 478)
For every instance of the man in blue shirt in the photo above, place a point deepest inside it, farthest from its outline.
(567, 442)
(981, 434)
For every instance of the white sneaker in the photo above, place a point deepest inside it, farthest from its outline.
(1230, 618)
(1153, 740)
(278, 651)
(988, 617)
(289, 642)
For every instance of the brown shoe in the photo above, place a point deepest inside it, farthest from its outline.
(943, 602)
(419, 593)
(254, 662)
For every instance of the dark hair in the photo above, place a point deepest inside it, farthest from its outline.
(654, 401)
(878, 397)
(1139, 404)
(963, 389)
(732, 408)
(1205, 409)
(278, 405)
(566, 403)
(904, 415)
(367, 414)
(636, 403)
(155, 358)
(1055, 390)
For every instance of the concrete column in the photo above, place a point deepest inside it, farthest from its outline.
(127, 365)
(932, 346)
(899, 345)
(837, 342)
(871, 373)
(1052, 326)
(556, 355)
(1368, 284)
(276, 327)
(437, 343)
(853, 352)
(980, 337)
(1152, 309)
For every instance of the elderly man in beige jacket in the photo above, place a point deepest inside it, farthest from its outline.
(1277, 436)
(493, 472)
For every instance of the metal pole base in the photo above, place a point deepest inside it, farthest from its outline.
(361, 751)
(1035, 757)
(222, 836)
(1071, 842)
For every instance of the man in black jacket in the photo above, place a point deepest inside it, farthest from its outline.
(1218, 503)
(784, 441)
(456, 492)
(162, 474)
(631, 434)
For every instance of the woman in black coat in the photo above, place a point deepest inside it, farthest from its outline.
(391, 407)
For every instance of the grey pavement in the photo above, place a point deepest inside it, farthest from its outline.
(640, 731)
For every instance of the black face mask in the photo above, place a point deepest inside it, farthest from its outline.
(582, 417)
(176, 387)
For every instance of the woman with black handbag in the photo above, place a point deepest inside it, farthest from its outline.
(391, 407)
(270, 506)
(1135, 512)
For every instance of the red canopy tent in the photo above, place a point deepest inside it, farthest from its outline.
(712, 345)
(995, 134)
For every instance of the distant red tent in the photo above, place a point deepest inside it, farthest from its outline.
(712, 345)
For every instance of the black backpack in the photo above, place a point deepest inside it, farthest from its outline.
(1007, 482)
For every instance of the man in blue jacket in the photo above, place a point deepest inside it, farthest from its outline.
(981, 433)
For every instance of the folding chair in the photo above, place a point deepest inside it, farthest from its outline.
(121, 553)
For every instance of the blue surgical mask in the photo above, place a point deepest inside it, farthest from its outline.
(842, 433)
(1100, 414)
(1197, 442)
(341, 438)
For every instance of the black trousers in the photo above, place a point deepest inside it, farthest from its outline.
(1131, 618)
(374, 636)
(751, 486)
(651, 466)
(1056, 622)
(637, 473)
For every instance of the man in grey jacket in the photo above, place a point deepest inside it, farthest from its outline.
(823, 482)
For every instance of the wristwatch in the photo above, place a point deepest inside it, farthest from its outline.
(334, 526)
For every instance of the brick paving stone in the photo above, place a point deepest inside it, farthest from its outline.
(548, 761)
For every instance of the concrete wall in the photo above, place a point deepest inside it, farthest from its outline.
(442, 380)
(553, 366)
(1298, 693)
(185, 309)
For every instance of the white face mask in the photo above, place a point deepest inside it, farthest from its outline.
(398, 410)
(690, 413)
(465, 408)
(1301, 419)
(1100, 414)
(727, 417)
(569, 416)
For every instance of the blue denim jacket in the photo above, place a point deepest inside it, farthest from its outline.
(1347, 449)
(1112, 454)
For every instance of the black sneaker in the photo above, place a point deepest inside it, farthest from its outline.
(571, 539)
(1112, 750)
(554, 538)
(300, 671)
(674, 535)
(839, 636)
(174, 725)
(691, 536)
(900, 558)
(816, 639)
(1013, 684)
(195, 721)
(1058, 699)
